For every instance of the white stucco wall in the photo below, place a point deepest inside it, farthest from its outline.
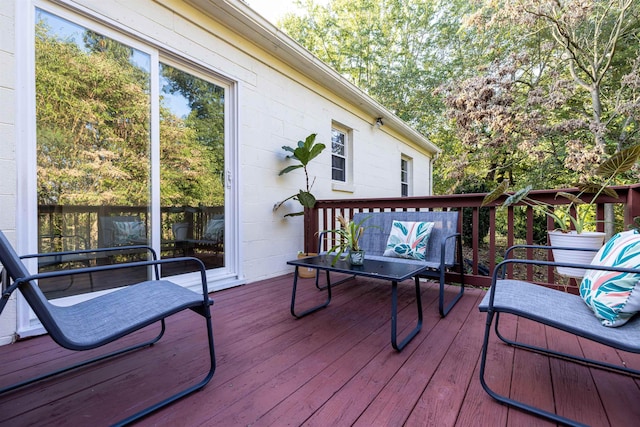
(276, 105)
(8, 174)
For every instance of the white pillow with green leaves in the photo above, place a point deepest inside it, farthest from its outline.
(127, 232)
(408, 239)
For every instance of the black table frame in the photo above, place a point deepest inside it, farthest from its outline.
(385, 270)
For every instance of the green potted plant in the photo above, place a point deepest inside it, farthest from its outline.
(306, 151)
(347, 244)
(571, 228)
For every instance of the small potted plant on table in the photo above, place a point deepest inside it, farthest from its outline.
(347, 245)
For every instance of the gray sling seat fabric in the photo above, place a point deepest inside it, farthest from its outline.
(561, 310)
(444, 247)
(103, 319)
(554, 308)
(374, 239)
(100, 320)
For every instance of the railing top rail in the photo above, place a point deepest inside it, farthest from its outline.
(466, 200)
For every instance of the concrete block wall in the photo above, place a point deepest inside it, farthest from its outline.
(8, 178)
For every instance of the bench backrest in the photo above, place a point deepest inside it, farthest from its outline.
(374, 239)
(15, 269)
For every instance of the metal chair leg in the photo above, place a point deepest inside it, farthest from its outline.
(441, 308)
(187, 391)
(505, 399)
(85, 362)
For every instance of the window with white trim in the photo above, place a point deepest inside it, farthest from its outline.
(338, 155)
(405, 176)
(341, 157)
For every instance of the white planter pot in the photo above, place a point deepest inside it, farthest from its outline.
(180, 230)
(591, 239)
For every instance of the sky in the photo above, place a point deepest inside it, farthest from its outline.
(272, 9)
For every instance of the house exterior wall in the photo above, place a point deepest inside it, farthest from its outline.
(277, 104)
(8, 175)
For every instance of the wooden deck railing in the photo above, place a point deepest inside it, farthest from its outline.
(518, 224)
(481, 253)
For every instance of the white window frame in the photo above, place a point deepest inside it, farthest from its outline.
(408, 172)
(347, 184)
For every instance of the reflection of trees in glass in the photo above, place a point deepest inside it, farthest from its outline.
(192, 147)
(92, 112)
(93, 124)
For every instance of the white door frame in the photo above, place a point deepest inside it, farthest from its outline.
(26, 156)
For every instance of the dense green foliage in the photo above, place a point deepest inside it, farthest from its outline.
(192, 148)
(534, 91)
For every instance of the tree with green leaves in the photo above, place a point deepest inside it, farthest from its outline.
(193, 165)
(92, 106)
(399, 52)
(92, 124)
(571, 100)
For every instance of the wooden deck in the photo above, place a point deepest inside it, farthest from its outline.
(335, 367)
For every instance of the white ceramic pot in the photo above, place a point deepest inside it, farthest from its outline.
(589, 239)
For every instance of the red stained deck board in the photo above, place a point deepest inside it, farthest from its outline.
(398, 397)
(572, 381)
(441, 404)
(363, 376)
(335, 366)
(330, 331)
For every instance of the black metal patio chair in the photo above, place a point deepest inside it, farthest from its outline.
(554, 308)
(106, 318)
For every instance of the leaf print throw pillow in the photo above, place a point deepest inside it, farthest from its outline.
(408, 239)
(128, 232)
(613, 296)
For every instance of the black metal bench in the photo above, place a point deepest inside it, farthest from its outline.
(106, 318)
(443, 252)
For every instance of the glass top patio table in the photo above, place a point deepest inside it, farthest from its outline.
(384, 270)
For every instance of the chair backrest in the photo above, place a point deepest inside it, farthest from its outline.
(15, 269)
(374, 239)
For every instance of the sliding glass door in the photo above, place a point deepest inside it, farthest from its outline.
(131, 150)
